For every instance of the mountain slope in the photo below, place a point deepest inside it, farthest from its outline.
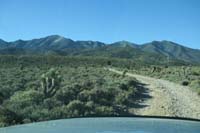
(124, 44)
(126, 51)
(50, 42)
(3, 44)
(172, 50)
(53, 42)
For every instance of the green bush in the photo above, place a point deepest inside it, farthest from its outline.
(195, 83)
(185, 83)
(84, 95)
(122, 98)
(23, 99)
(198, 91)
(104, 111)
(76, 108)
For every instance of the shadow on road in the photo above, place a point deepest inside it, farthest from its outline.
(141, 96)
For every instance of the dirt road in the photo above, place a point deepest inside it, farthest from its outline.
(167, 98)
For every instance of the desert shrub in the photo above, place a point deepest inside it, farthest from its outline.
(195, 83)
(25, 121)
(198, 92)
(132, 82)
(22, 99)
(185, 83)
(8, 117)
(195, 72)
(76, 108)
(100, 96)
(84, 95)
(50, 103)
(2, 123)
(121, 98)
(22, 104)
(123, 86)
(65, 95)
(1, 97)
(104, 111)
(39, 114)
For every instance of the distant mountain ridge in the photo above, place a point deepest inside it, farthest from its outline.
(59, 45)
(53, 42)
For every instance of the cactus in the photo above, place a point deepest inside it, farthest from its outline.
(51, 82)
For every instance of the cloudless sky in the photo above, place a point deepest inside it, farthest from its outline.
(138, 21)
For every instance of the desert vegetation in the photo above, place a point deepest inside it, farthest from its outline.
(33, 90)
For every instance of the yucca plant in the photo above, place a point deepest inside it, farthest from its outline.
(51, 82)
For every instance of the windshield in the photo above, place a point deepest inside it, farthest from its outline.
(63, 59)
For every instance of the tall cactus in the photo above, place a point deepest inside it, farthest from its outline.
(51, 82)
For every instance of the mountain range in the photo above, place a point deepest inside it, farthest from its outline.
(58, 45)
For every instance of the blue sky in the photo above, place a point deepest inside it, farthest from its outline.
(108, 21)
